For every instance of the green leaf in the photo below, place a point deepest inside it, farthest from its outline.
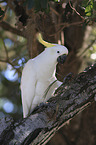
(88, 14)
(88, 8)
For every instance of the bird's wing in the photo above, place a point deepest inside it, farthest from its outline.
(28, 86)
(54, 84)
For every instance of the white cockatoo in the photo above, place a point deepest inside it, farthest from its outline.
(39, 73)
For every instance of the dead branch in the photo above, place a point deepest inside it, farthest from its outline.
(11, 29)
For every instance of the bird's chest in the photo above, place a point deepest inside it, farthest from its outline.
(41, 87)
(45, 73)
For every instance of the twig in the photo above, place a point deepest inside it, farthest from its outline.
(9, 28)
(8, 61)
(5, 49)
(93, 41)
(76, 11)
(54, 11)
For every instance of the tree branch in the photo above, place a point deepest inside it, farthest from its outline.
(76, 11)
(11, 29)
(8, 61)
(71, 98)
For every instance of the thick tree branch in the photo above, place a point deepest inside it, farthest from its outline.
(11, 29)
(71, 98)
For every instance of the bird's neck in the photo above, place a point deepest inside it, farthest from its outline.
(47, 66)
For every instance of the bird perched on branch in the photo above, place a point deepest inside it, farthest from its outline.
(38, 81)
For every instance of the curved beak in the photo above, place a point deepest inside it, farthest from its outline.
(61, 59)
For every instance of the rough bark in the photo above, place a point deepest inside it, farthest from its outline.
(71, 98)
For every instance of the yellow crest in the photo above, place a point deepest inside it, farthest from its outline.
(46, 44)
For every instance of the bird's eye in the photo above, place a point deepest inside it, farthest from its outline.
(58, 51)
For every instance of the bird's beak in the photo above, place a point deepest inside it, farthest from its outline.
(61, 59)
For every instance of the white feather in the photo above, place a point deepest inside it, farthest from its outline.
(37, 75)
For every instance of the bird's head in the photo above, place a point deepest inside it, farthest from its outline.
(58, 52)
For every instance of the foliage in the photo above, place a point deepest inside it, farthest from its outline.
(90, 9)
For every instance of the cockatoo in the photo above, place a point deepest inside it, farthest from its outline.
(39, 73)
